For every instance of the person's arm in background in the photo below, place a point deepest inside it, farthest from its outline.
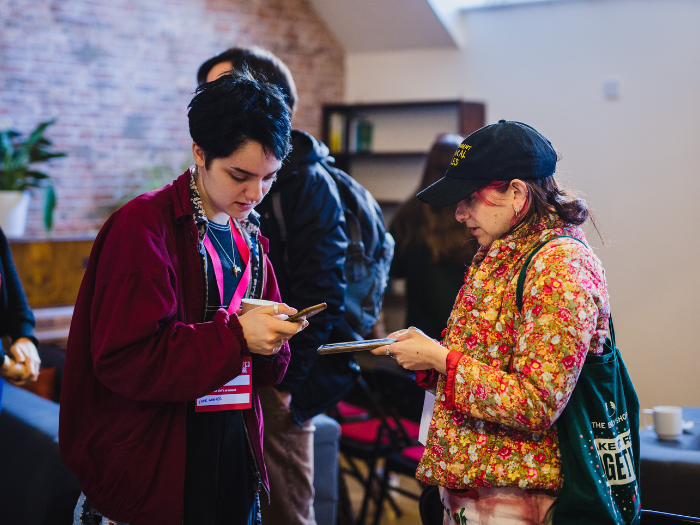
(16, 322)
(316, 246)
(398, 263)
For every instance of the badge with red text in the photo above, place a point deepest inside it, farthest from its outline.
(234, 395)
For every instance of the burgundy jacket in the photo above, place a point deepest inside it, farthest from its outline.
(138, 351)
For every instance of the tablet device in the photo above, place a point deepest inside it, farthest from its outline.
(354, 346)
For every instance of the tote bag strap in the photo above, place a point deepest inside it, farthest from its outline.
(523, 271)
(523, 275)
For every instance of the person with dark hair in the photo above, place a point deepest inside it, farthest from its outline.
(259, 60)
(160, 416)
(432, 250)
(307, 249)
(504, 374)
(20, 363)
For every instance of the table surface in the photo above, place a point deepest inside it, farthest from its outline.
(687, 448)
(670, 470)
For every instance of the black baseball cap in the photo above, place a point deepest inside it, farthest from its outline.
(506, 150)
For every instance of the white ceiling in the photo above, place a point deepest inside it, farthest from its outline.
(383, 25)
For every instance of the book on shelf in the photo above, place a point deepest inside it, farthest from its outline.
(352, 136)
(336, 133)
(365, 130)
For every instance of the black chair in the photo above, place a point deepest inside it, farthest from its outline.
(402, 399)
(430, 506)
(652, 517)
(367, 440)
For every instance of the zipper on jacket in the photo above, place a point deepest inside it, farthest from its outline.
(258, 476)
(263, 268)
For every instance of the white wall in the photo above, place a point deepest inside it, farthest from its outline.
(636, 158)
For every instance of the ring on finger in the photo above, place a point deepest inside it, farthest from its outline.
(276, 308)
(387, 351)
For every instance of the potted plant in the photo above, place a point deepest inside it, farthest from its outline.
(17, 177)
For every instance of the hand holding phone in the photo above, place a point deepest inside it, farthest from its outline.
(307, 312)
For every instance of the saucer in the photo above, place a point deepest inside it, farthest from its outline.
(685, 428)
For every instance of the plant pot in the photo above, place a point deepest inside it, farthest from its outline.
(13, 212)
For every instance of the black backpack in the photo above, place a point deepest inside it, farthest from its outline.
(368, 258)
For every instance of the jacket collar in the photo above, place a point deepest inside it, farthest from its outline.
(529, 234)
(189, 203)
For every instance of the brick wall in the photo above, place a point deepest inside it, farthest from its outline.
(118, 76)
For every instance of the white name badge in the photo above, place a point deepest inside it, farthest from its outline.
(234, 395)
(426, 417)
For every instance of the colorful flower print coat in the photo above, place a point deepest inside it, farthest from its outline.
(510, 374)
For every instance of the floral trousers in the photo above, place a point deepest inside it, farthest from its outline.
(499, 506)
(84, 514)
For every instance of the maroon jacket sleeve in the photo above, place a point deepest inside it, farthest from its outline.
(269, 370)
(139, 348)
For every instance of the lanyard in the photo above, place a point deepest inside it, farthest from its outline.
(219, 273)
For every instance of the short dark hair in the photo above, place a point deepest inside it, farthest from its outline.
(235, 108)
(259, 60)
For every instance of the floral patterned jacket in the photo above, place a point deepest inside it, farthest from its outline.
(510, 374)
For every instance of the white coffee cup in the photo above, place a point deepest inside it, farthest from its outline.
(668, 422)
(251, 304)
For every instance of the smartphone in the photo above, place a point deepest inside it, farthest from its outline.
(354, 346)
(307, 312)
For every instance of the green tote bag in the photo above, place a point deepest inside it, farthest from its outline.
(598, 439)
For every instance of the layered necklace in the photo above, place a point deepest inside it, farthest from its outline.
(235, 268)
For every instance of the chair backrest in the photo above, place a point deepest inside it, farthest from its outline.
(399, 394)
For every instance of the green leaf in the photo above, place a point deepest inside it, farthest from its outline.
(36, 174)
(49, 206)
(16, 156)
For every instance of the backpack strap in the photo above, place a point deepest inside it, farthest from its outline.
(354, 217)
(523, 274)
(523, 271)
(279, 217)
(277, 210)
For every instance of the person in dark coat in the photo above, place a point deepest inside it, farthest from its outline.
(308, 252)
(432, 251)
(20, 363)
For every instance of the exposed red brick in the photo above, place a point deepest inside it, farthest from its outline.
(118, 77)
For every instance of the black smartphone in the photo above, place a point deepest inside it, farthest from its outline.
(307, 312)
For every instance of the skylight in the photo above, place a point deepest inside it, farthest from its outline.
(477, 4)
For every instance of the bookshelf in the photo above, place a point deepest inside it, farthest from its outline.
(383, 146)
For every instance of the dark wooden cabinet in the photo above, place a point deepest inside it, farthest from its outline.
(383, 146)
(51, 271)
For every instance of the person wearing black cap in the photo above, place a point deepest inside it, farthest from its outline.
(504, 374)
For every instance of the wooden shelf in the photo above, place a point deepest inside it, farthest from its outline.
(394, 139)
(373, 106)
(379, 155)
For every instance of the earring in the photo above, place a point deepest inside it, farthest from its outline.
(517, 212)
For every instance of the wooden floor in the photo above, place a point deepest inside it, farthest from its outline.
(408, 506)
